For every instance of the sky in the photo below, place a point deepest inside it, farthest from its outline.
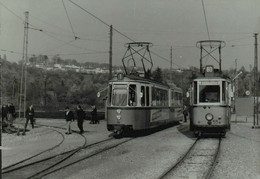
(165, 23)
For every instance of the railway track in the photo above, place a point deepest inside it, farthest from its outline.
(17, 164)
(25, 166)
(87, 155)
(199, 160)
(48, 165)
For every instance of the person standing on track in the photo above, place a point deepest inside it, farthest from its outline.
(94, 119)
(81, 116)
(29, 113)
(11, 115)
(185, 112)
(4, 113)
(69, 116)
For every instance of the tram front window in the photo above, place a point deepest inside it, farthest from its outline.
(132, 95)
(119, 95)
(209, 93)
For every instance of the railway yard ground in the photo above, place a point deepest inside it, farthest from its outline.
(147, 156)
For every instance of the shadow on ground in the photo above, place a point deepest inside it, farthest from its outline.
(146, 132)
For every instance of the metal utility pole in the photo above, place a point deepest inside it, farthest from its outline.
(1, 122)
(1, 63)
(110, 52)
(255, 83)
(171, 58)
(25, 49)
(23, 88)
(236, 86)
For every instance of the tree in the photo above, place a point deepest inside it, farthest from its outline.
(157, 75)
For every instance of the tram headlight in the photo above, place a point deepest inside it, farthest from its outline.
(118, 117)
(209, 117)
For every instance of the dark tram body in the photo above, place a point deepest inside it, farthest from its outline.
(210, 103)
(136, 103)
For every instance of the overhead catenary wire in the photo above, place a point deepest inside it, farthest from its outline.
(101, 20)
(67, 14)
(165, 59)
(48, 33)
(205, 17)
(116, 29)
(11, 11)
(68, 35)
(30, 26)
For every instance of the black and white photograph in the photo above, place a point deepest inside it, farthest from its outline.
(130, 89)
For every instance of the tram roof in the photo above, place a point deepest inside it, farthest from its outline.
(134, 78)
(212, 78)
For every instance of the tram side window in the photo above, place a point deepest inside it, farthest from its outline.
(109, 94)
(223, 91)
(159, 97)
(132, 95)
(209, 93)
(180, 99)
(176, 99)
(147, 96)
(143, 96)
(195, 92)
(166, 97)
(154, 93)
(172, 98)
(119, 95)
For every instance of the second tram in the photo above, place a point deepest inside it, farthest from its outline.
(210, 99)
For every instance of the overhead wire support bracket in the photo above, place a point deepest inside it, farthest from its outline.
(204, 45)
(135, 50)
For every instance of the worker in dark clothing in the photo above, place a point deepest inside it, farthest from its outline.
(10, 115)
(29, 114)
(69, 116)
(4, 112)
(11, 110)
(94, 119)
(185, 112)
(81, 116)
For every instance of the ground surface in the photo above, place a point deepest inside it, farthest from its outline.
(144, 157)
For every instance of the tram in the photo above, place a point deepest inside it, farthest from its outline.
(137, 102)
(210, 95)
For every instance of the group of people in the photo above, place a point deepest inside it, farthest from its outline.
(81, 115)
(8, 115)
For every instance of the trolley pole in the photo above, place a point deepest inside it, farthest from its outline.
(110, 52)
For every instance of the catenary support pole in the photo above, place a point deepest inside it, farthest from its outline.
(1, 122)
(171, 58)
(25, 49)
(110, 52)
(256, 69)
(255, 83)
(22, 96)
